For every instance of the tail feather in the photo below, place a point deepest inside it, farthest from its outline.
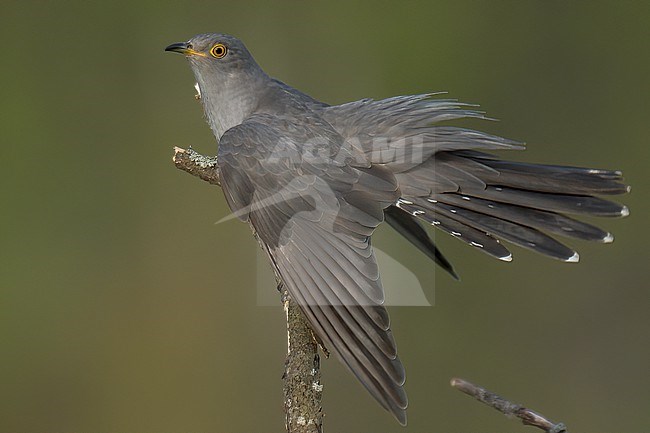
(563, 203)
(555, 179)
(446, 179)
(471, 236)
(517, 234)
(539, 219)
(479, 199)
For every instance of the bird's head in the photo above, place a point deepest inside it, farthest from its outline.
(213, 53)
(230, 82)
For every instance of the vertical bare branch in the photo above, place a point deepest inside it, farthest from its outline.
(302, 387)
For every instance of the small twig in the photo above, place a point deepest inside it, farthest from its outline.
(204, 167)
(527, 416)
(302, 387)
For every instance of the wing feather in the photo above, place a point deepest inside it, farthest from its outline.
(316, 218)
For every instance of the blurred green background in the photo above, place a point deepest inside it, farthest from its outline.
(124, 308)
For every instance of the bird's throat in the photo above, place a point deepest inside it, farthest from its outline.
(227, 104)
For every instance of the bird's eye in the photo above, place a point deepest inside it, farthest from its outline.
(218, 51)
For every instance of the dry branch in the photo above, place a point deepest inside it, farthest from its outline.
(509, 409)
(204, 167)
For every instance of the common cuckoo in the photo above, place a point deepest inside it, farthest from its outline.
(315, 180)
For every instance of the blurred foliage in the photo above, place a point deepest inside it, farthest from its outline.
(124, 308)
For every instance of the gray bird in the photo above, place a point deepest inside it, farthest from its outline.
(315, 180)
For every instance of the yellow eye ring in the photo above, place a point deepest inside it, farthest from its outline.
(218, 51)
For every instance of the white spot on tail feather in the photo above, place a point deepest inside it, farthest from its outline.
(507, 258)
(574, 258)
